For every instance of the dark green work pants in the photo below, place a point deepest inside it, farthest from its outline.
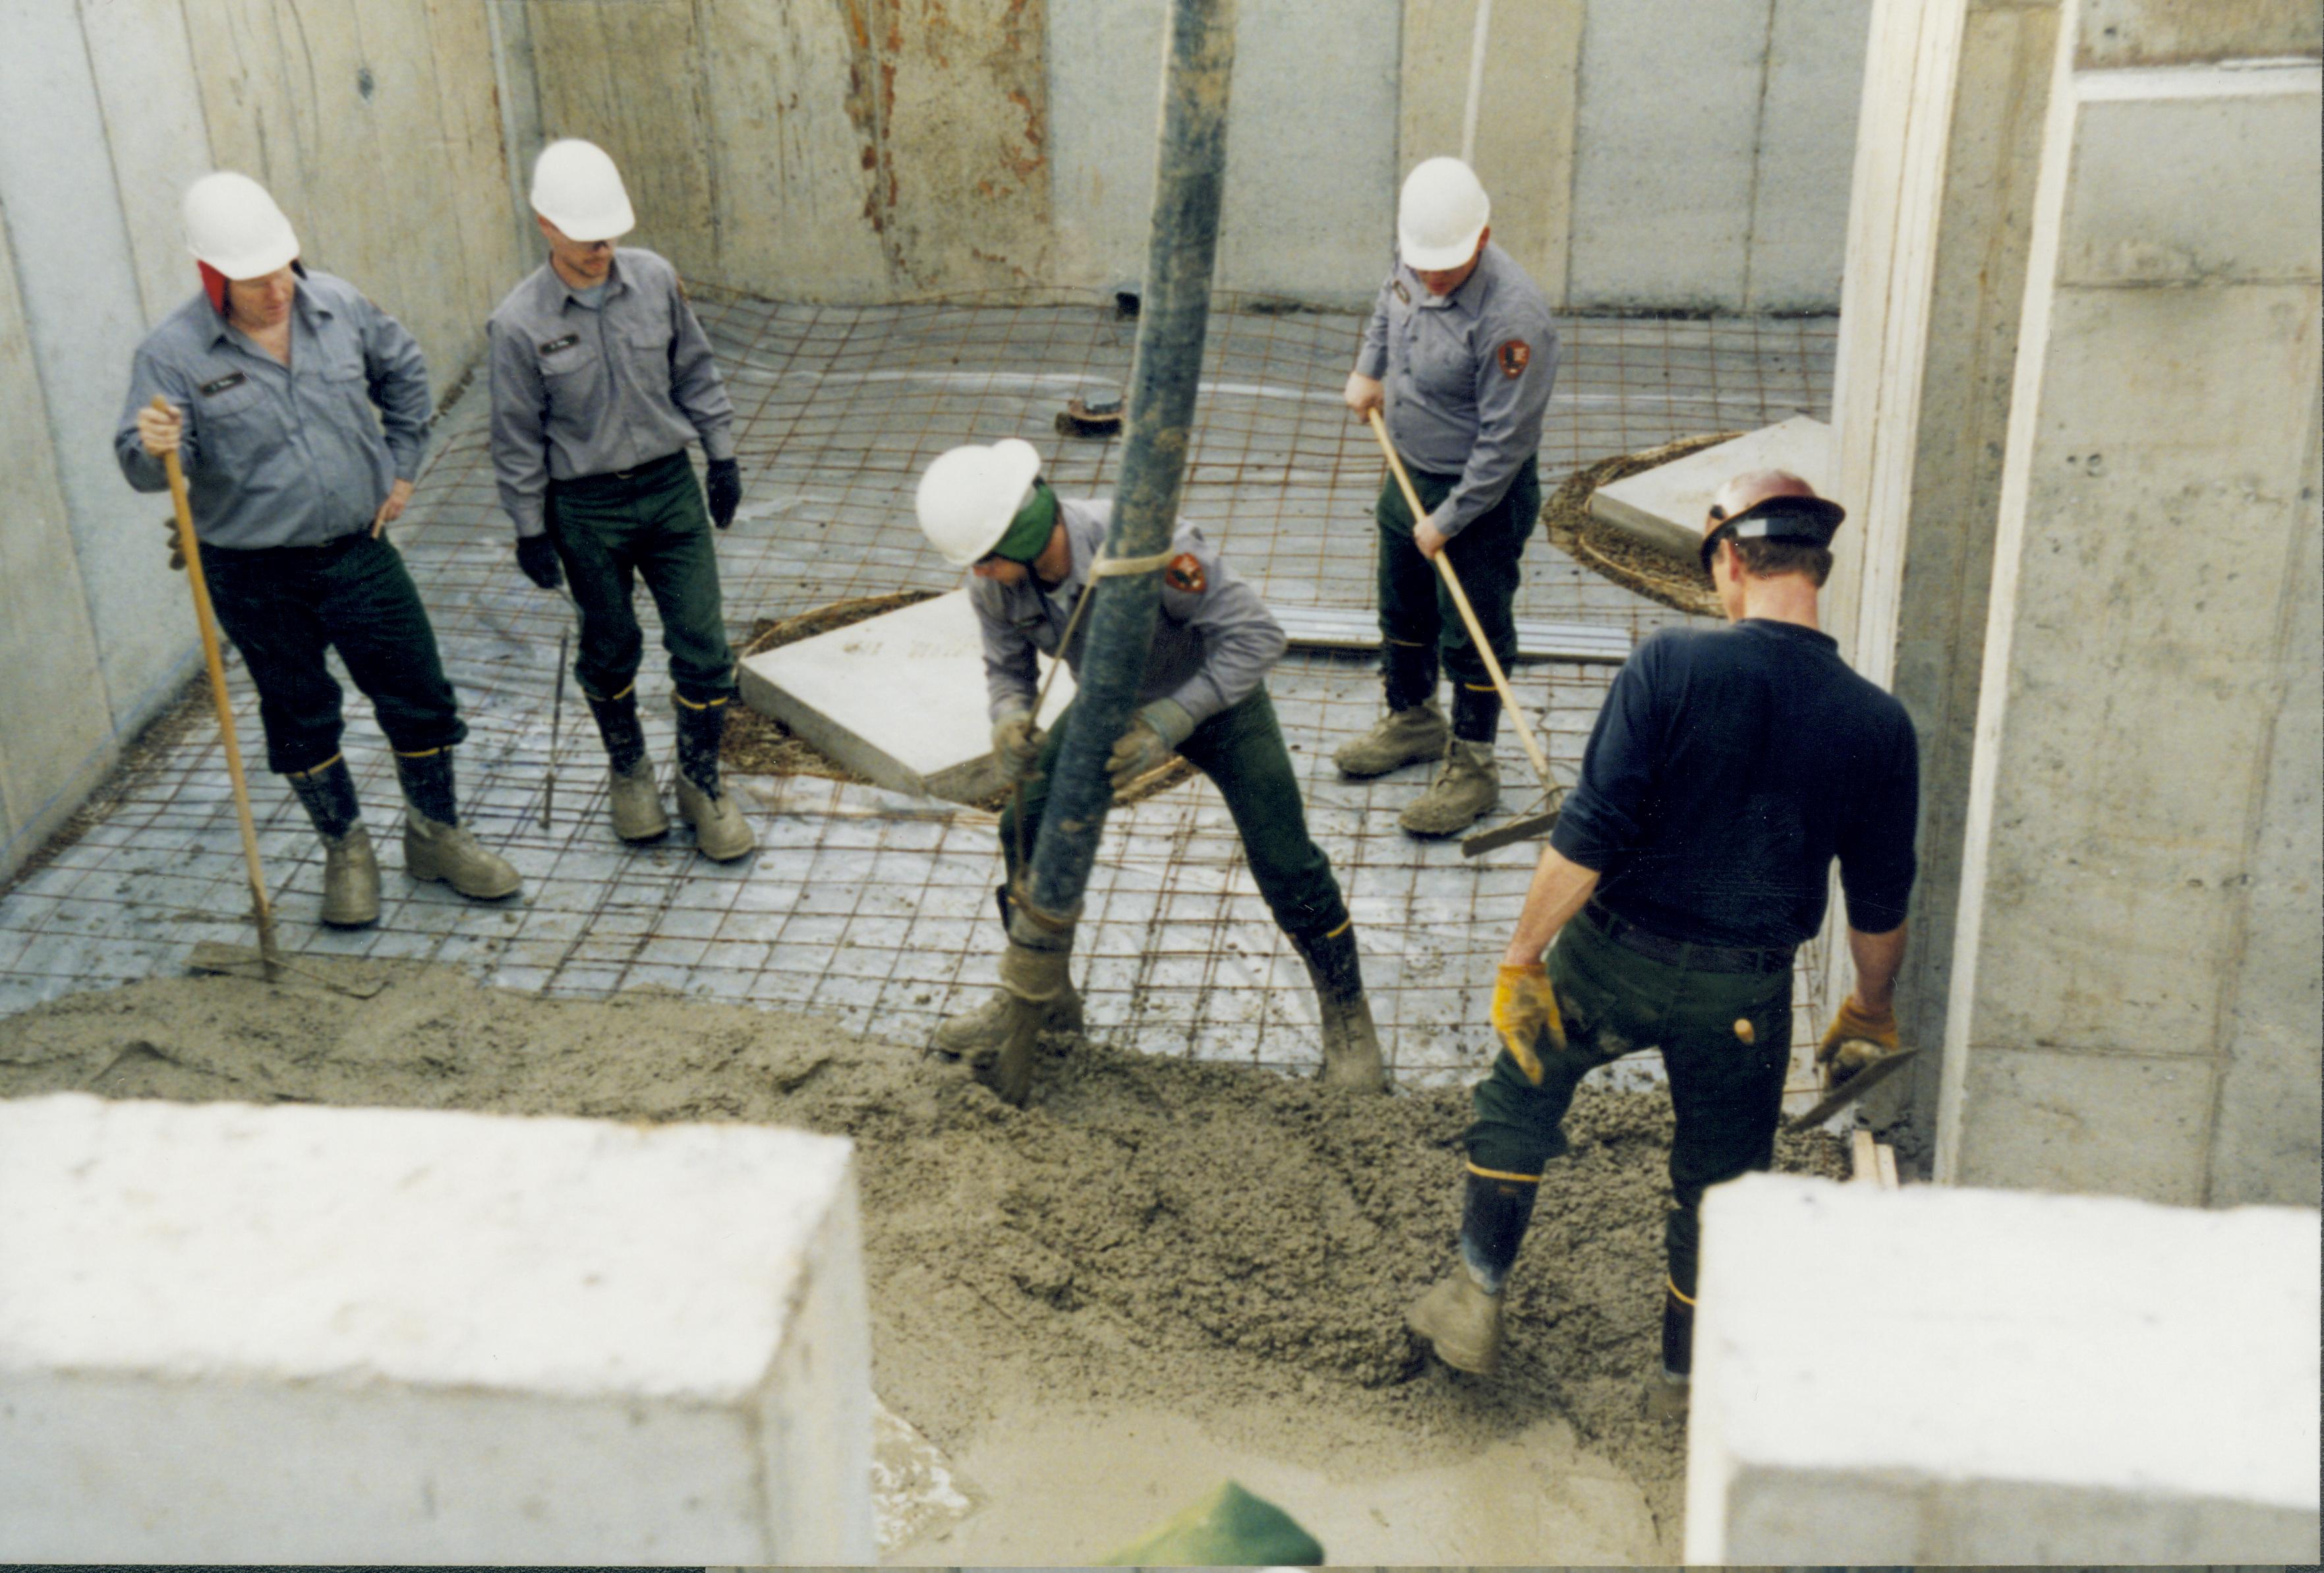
(1241, 750)
(284, 606)
(648, 523)
(1417, 617)
(1726, 1093)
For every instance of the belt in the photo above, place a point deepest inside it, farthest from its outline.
(1685, 954)
(621, 480)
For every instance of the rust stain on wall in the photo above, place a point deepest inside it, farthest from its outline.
(949, 99)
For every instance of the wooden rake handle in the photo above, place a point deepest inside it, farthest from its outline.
(208, 621)
(1468, 614)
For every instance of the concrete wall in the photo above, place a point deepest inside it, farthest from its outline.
(1955, 96)
(1712, 151)
(2135, 989)
(377, 126)
(877, 149)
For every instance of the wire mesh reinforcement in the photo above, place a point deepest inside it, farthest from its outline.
(878, 908)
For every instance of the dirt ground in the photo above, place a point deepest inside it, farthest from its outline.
(1219, 1246)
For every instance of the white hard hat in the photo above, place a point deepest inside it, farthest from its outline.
(577, 188)
(1442, 212)
(233, 224)
(970, 494)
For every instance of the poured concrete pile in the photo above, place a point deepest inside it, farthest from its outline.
(1230, 1245)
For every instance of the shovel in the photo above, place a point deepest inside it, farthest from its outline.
(1848, 1091)
(1553, 795)
(267, 961)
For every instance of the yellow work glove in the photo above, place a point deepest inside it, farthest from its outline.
(1856, 1039)
(1524, 1013)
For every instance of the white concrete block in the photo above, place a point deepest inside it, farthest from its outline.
(1664, 506)
(231, 1333)
(1936, 1375)
(899, 698)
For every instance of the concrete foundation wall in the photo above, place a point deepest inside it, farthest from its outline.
(2134, 1003)
(881, 149)
(377, 126)
(1712, 148)
(1955, 97)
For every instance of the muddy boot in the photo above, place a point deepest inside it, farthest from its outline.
(976, 1036)
(1397, 739)
(1462, 1323)
(435, 845)
(635, 799)
(350, 869)
(1667, 1395)
(720, 833)
(1467, 786)
(1461, 1316)
(1351, 1051)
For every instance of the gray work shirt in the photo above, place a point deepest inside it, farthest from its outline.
(277, 455)
(1213, 642)
(581, 390)
(1468, 375)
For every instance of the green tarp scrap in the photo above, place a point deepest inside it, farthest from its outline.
(1230, 1528)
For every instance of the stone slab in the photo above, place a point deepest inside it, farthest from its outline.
(240, 1334)
(1663, 507)
(1999, 1376)
(899, 697)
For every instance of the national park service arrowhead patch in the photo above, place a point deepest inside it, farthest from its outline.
(1515, 356)
(1183, 574)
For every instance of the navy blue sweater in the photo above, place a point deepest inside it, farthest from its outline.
(1728, 767)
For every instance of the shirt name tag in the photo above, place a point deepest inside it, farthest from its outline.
(554, 345)
(231, 380)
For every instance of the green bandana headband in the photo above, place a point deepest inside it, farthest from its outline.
(1028, 531)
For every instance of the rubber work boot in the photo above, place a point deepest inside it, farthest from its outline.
(1462, 1323)
(350, 867)
(1397, 739)
(977, 1035)
(635, 799)
(1467, 786)
(436, 845)
(720, 833)
(1351, 1051)
(1666, 1395)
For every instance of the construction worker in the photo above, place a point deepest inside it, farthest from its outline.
(272, 374)
(1458, 356)
(601, 376)
(1032, 556)
(1727, 769)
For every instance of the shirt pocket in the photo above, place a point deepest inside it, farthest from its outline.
(572, 376)
(1442, 366)
(342, 392)
(238, 426)
(646, 346)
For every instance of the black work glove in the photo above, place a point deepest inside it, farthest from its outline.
(726, 491)
(536, 555)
